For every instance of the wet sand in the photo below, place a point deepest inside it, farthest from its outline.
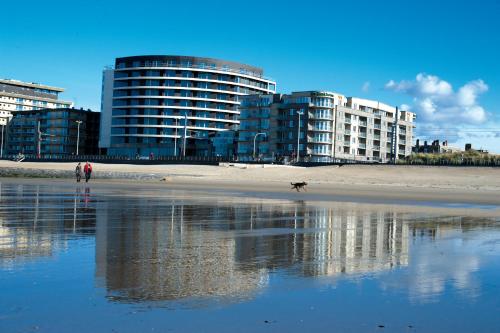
(444, 187)
(404, 200)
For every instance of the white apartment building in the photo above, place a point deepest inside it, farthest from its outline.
(25, 96)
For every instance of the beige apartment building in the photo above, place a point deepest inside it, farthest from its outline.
(365, 130)
(323, 127)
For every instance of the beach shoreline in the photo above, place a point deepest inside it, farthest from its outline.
(450, 188)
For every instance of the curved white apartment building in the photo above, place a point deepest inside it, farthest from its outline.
(150, 102)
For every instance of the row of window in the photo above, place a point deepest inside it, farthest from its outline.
(179, 82)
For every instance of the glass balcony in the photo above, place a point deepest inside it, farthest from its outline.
(347, 120)
(362, 123)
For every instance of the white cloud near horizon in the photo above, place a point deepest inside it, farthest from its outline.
(435, 100)
(447, 114)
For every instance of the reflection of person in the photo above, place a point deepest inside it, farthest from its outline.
(78, 172)
(86, 197)
(88, 171)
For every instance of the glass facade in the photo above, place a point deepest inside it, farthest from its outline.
(59, 132)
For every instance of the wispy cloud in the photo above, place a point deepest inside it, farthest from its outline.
(366, 86)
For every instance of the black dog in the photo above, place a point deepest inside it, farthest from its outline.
(298, 186)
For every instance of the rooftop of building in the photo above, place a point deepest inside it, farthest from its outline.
(30, 85)
(193, 62)
(316, 93)
(46, 110)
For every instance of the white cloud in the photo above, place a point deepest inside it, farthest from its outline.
(444, 113)
(405, 107)
(434, 99)
(366, 86)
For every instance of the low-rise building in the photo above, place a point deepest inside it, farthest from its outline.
(331, 127)
(54, 132)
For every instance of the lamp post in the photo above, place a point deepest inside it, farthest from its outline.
(175, 137)
(254, 141)
(40, 138)
(298, 136)
(78, 122)
(185, 133)
(1, 146)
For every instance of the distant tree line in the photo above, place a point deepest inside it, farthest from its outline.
(467, 158)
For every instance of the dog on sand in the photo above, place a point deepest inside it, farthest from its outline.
(298, 186)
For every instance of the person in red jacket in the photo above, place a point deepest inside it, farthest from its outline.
(87, 169)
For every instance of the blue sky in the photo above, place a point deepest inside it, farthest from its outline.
(371, 49)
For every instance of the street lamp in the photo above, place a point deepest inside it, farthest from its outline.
(1, 146)
(175, 137)
(254, 139)
(185, 133)
(298, 135)
(40, 138)
(78, 135)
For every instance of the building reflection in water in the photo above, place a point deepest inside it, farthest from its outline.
(36, 221)
(148, 250)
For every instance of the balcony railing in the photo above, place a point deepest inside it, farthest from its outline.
(377, 126)
(376, 147)
(362, 134)
(347, 132)
(362, 145)
(320, 116)
(376, 137)
(362, 123)
(347, 120)
(316, 140)
(347, 143)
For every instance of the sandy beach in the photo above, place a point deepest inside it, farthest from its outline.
(382, 184)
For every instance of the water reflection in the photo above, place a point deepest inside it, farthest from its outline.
(172, 248)
(36, 220)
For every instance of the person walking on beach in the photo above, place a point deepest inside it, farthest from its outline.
(87, 169)
(78, 172)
